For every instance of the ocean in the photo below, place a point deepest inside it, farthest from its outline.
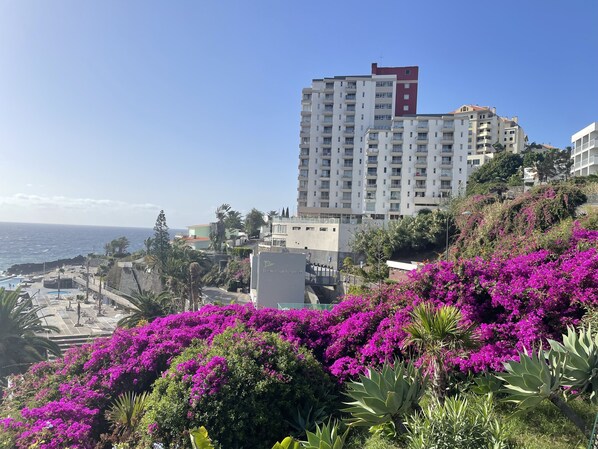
(37, 243)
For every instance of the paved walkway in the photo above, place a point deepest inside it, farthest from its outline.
(57, 312)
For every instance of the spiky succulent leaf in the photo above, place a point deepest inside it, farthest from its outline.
(381, 397)
(534, 378)
(327, 436)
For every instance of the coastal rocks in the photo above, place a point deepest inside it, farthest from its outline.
(30, 268)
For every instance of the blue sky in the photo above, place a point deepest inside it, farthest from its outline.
(113, 110)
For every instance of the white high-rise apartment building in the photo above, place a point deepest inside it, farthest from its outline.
(414, 165)
(585, 151)
(486, 130)
(335, 116)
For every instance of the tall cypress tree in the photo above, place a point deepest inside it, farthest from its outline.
(161, 241)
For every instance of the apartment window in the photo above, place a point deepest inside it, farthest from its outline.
(296, 228)
(309, 228)
(384, 83)
(406, 97)
(323, 229)
(407, 85)
(405, 108)
(407, 72)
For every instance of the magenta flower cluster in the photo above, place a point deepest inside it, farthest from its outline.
(205, 379)
(515, 303)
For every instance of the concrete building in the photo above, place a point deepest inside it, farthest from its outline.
(585, 151)
(324, 241)
(198, 236)
(414, 165)
(336, 113)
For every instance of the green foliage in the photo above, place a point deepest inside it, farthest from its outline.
(437, 334)
(404, 237)
(218, 231)
(326, 436)
(533, 378)
(459, 422)
(20, 327)
(496, 171)
(357, 290)
(539, 218)
(126, 411)
(254, 220)
(161, 240)
(306, 418)
(147, 306)
(117, 247)
(580, 367)
(380, 400)
(241, 252)
(571, 365)
(244, 403)
(545, 426)
(200, 439)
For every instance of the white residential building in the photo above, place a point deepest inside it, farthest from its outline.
(336, 113)
(325, 241)
(414, 165)
(487, 129)
(585, 151)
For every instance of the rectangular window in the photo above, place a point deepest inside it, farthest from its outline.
(323, 229)
(405, 108)
(406, 97)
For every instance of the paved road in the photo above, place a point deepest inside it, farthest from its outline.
(224, 297)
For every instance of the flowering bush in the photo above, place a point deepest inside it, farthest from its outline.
(241, 387)
(515, 302)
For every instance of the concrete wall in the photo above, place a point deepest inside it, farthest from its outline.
(280, 278)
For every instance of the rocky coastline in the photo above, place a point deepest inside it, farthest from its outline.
(34, 268)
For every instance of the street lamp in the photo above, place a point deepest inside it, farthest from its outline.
(448, 218)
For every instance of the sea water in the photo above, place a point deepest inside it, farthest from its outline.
(37, 243)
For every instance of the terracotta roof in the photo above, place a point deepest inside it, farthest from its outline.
(472, 106)
(197, 239)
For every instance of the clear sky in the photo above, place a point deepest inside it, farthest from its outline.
(112, 110)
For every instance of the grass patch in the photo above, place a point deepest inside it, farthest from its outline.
(545, 426)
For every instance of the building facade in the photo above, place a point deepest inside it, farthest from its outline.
(335, 116)
(324, 241)
(585, 151)
(417, 164)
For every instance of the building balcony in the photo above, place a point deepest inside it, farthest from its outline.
(305, 113)
(371, 187)
(421, 151)
(586, 146)
(351, 87)
(327, 112)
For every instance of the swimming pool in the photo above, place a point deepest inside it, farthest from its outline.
(10, 283)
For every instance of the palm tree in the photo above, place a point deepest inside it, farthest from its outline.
(194, 284)
(219, 235)
(147, 306)
(20, 326)
(436, 334)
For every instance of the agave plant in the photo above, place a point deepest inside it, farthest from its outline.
(534, 378)
(326, 437)
(580, 371)
(381, 398)
(306, 418)
(126, 411)
(287, 443)
(200, 439)
(542, 376)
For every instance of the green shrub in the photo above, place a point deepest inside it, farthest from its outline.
(241, 387)
(461, 422)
